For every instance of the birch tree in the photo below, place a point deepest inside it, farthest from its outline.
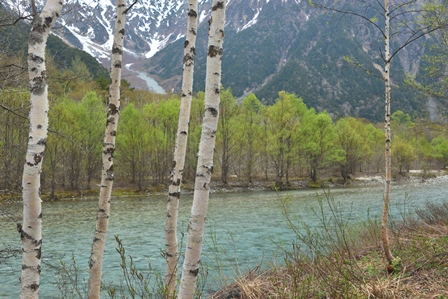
(205, 156)
(406, 31)
(31, 229)
(107, 176)
(171, 242)
(388, 170)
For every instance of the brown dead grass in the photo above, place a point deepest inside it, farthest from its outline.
(420, 272)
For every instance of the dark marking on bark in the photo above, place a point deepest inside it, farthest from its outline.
(192, 13)
(24, 267)
(42, 141)
(186, 43)
(174, 194)
(113, 133)
(183, 133)
(213, 111)
(217, 91)
(37, 159)
(34, 286)
(121, 31)
(39, 127)
(194, 272)
(48, 21)
(110, 120)
(95, 240)
(117, 50)
(193, 50)
(193, 31)
(91, 263)
(39, 253)
(210, 21)
(205, 186)
(34, 69)
(117, 64)
(110, 173)
(38, 84)
(35, 58)
(213, 51)
(113, 109)
(168, 254)
(219, 5)
(188, 58)
(173, 164)
(216, 74)
(40, 216)
(101, 211)
(109, 151)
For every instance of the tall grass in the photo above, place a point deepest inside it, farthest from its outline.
(342, 258)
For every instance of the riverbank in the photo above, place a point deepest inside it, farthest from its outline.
(349, 263)
(413, 177)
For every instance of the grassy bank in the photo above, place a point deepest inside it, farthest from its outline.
(345, 261)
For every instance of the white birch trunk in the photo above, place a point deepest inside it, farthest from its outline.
(31, 231)
(385, 216)
(171, 242)
(107, 175)
(205, 157)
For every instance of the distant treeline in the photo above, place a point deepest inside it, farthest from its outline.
(278, 143)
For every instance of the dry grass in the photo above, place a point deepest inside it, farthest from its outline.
(357, 269)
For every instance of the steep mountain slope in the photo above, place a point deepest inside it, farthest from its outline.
(294, 47)
(13, 41)
(270, 45)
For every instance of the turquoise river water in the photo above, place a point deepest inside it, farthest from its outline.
(243, 230)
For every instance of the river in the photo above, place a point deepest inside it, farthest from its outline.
(243, 229)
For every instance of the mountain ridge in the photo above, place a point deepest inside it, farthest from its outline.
(270, 45)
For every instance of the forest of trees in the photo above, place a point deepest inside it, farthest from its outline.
(278, 144)
(281, 143)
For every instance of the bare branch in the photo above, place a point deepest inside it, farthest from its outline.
(129, 8)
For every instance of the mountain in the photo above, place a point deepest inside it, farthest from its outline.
(270, 45)
(13, 39)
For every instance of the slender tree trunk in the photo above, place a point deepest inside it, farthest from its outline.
(172, 252)
(205, 157)
(385, 216)
(107, 176)
(31, 231)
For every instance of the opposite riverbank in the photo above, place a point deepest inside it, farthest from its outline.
(413, 177)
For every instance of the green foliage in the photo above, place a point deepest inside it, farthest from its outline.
(282, 125)
(440, 146)
(279, 142)
(317, 141)
(403, 155)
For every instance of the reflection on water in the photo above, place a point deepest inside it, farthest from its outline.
(243, 230)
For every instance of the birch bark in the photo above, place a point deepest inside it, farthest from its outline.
(205, 157)
(385, 216)
(171, 241)
(31, 230)
(107, 176)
